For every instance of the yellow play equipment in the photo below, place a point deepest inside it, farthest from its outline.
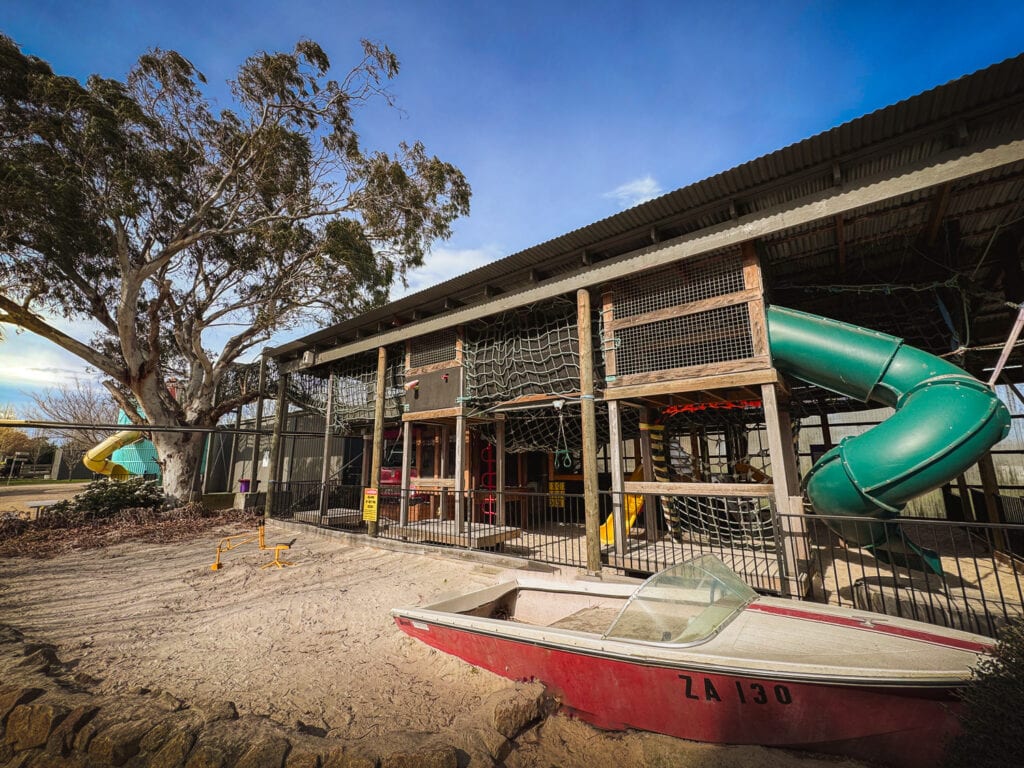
(98, 460)
(634, 504)
(233, 542)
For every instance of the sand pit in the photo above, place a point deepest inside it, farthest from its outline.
(313, 647)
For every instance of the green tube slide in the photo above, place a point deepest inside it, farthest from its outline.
(945, 421)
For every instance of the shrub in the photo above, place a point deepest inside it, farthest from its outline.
(103, 498)
(993, 718)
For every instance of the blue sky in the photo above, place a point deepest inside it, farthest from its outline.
(559, 113)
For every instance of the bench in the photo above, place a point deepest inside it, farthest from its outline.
(39, 506)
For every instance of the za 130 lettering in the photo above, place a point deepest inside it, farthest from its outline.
(704, 689)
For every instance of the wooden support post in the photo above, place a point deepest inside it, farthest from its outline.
(787, 488)
(378, 429)
(615, 456)
(460, 475)
(966, 502)
(403, 502)
(990, 490)
(364, 469)
(651, 500)
(499, 482)
(325, 464)
(589, 425)
(280, 416)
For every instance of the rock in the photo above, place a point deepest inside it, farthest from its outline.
(207, 756)
(174, 751)
(430, 757)
(266, 753)
(119, 742)
(62, 740)
(512, 711)
(302, 759)
(85, 736)
(497, 745)
(169, 702)
(30, 725)
(166, 729)
(47, 760)
(6, 753)
(218, 710)
(41, 659)
(339, 758)
(15, 697)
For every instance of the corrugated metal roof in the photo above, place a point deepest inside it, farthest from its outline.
(880, 141)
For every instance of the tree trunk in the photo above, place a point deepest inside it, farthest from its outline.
(180, 457)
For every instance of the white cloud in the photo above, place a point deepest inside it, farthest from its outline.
(443, 264)
(31, 361)
(635, 192)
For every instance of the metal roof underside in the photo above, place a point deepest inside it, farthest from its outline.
(926, 235)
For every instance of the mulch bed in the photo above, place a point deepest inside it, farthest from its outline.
(166, 528)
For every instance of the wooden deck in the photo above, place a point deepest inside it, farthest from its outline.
(474, 535)
(340, 516)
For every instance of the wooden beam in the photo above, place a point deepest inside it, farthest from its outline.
(692, 380)
(700, 489)
(683, 310)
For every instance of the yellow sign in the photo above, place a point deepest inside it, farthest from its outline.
(556, 494)
(370, 505)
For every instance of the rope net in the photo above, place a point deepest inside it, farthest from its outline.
(715, 443)
(529, 351)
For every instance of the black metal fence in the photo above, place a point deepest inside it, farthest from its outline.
(980, 587)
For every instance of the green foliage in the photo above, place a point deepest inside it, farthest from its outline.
(993, 715)
(148, 210)
(104, 498)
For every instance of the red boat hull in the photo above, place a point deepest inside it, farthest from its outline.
(898, 725)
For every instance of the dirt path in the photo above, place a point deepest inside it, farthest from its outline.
(13, 497)
(313, 644)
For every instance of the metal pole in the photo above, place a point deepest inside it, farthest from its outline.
(325, 468)
(257, 460)
(589, 426)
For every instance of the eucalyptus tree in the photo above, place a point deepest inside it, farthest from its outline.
(188, 235)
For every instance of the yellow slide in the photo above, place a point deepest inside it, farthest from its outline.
(634, 505)
(98, 458)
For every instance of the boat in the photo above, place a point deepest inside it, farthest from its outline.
(695, 653)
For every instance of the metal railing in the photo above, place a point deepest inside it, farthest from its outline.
(981, 586)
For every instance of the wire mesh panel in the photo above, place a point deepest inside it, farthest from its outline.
(433, 348)
(681, 283)
(695, 313)
(715, 336)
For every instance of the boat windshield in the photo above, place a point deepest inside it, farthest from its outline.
(684, 604)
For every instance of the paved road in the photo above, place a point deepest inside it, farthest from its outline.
(13, 497)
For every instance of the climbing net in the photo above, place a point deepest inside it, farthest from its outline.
(354, 396)
(716, 443)
(532, 350)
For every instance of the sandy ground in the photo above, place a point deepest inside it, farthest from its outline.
(313, 643)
